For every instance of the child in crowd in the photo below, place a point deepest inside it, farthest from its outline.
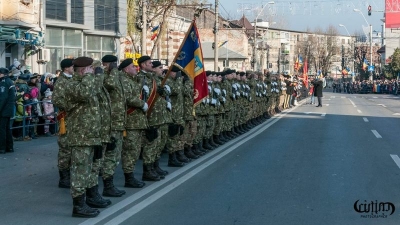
(48, 109)
(311, 93)
(28, 110)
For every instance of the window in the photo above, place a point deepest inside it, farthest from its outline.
(73, 38)
(53, 36)
(77, 11)
(56, 9)
(105, 14)
(343, 41)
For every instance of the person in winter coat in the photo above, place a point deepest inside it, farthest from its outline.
(318, 85)
(7, 101)
(48, 109)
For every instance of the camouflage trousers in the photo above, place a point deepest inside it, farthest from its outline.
(163, 139)
(218, 124)
(175, 143)
(96, 166)
(131, 147)
(64, 153)
(210, 126)
(227, 118)
(190, 132)
(112, 157)
(201, 129)
(81, 167)
(150, 149)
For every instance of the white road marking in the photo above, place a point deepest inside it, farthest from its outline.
(396, 159)
(106, 213)
(323, 114)
(377, 135)
(365, 119)
(359, 111)
(343, 97)
(327, 104)
(382, 105)
(352, 103)
(374, 97)
(396, 114)
(333, 96)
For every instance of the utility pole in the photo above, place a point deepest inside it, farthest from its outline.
(216, 37)
(144, 29)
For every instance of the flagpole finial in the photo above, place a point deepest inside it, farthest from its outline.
(198, 11)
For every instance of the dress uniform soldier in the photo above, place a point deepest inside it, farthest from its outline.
(136, 122)
(7, 103)
(113, 83)
(64, 152)
(82, 116)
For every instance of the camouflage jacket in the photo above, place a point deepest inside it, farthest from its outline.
(220, 99)
(136, 120)
(160, 114)
(188, 92)
(226, 87)
(113, 84)
(80, 101)
(252, 83)
(105, 109)
(176, 86)
(59, 97)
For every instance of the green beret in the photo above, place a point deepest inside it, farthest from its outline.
(125, 63)
(65, 63)
(156, 64)
(4, 71)
(109, 58)
(143, 59)
(82, 61)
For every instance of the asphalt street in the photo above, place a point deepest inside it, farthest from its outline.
(337, 164)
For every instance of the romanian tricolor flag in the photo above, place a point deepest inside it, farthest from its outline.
(190, 60)
(154, 32)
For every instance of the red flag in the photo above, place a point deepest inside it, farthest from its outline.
(305, 71)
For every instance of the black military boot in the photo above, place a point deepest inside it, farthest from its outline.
(189, 154)
(65, 179)
(240, 129)
(229, 135)
(200, 147)
(173, 162)
(94, 199)
(222, 138)
(180, 156)
(207, 145)
(213, 143)
(132, 182)
(237, 131)
(148, 173)
(232, 134)
(81, 209)
(162, 173)
(196, 151)
(110, 190)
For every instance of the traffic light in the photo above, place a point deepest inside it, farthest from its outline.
(213, 45)
(369, 10)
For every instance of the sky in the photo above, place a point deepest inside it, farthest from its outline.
(302, 14)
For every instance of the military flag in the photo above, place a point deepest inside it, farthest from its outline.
(365, 64)
(305, 73)
(190, 60)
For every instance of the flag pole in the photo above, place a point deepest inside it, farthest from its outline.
(170, 68)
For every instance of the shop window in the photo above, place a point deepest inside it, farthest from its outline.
(56, 9)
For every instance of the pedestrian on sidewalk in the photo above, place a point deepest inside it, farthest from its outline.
(318, 85)
(311, 93)
(48, 112)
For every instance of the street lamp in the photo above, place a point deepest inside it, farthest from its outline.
(370, 39)
(255, 33)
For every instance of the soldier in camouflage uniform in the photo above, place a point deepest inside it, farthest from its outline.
(82, 116)
(112, 156)
(200, 141)
(212, 108)
(136, 122)
(64, 152)
(226, 88)
(190, 130)
(150, 86)
(163, 107)
(175, 142)
(220, 110)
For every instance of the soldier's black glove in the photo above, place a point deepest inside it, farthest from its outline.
(181, 129)
(185, 78)
(160, 91)
(173, 130)
(98, 70)
(97, 152)
(112, 66)
(112, 145)
(151, 134)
